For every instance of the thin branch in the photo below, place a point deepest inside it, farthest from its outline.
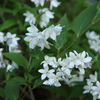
(31, 94)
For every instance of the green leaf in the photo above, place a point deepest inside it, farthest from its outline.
(64, 22)
(58, 90)
(36, 62)
(76, 92)
(5, 10)
(85, 19)
(31, 9)
(61, 40)
(17, 58)
(19, 80)
(31, 77)
(2, 93)
(37, 83)
(16, 4)
(36, 53)
(7, 24)
(11, 90)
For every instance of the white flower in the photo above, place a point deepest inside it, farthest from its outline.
(38, 2)
(88, 87)
(14, 48)
(2, 63)
(1, 37)
(39, 41)
(93, 78)
(51, 61)
(92, 35)
(1, 56)
(14, 65)
(65, 66)
(56, 63)
(93, 40)
(54, 3)
(84, 60)
(36, 38)
(48, 61)
(45, 17)
(73, 60)
(47, 13)
(11, 38)
(11, 67)
(53, 80)
(96, 90)
(32, 29)
(80, 61)
(74, 78)
(52, 32)
(95, 45)
(30, 17)
(46, 72)
(33, 32)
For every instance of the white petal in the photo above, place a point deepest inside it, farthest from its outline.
(43, 76)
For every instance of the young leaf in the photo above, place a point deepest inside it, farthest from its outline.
(17, 58)
(85, 19)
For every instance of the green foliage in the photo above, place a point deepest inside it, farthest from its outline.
(75, 17)
(7, 24)
(62, 38)
(85, 19)
(17, 58)
(76, 92)
(11, 90)
(57, 90)
(2, 93)
(37, 83)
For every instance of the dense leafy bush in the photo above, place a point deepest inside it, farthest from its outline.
(49, 50)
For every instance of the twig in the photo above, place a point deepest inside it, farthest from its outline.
(31, 94)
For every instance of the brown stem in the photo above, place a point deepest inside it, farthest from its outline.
(31, 94)
(23, 92)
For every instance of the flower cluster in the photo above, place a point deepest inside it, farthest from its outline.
(93, 86)
(45, 13)
(60, 70)
(53, 3)
(71, 81)
(93, 40)
(36, 38)
(11, 42)
(45, 17)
